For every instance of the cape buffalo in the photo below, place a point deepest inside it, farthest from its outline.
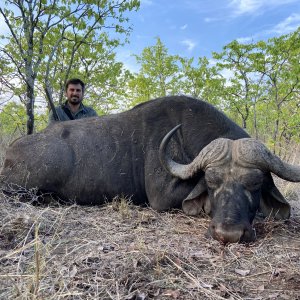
(207, 163)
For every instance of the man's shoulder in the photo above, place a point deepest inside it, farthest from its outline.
(89, 110)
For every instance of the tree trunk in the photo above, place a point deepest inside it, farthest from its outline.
(275, 134)
(255, 120)
(244, 123)
(30, 107)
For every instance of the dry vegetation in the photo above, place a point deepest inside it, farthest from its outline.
(121, 251)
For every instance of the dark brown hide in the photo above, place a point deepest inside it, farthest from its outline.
(92, 160)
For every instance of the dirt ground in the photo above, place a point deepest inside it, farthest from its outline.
(121, 251)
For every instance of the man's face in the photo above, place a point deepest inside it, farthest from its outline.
(74, 93)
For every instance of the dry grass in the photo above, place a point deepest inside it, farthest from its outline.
(5, 140)
(124, 252)
(121, 251)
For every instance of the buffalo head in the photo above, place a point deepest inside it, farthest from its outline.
(237, 182)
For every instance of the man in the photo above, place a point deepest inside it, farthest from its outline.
(73, 108)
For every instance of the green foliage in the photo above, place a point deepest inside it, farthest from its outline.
(13, 120)
(49, 39)
(263, 90)
(158, 75)
(238, 91)
(200, 81)
(256, 84)
(141, 88)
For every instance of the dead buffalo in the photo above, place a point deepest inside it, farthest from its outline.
(209, 164)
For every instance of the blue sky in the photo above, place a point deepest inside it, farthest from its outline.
(194, 28)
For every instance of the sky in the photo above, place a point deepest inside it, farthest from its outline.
(196, 28)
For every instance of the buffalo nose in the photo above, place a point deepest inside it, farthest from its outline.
(231, 233)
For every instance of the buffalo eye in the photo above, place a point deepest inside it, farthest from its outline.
(213, 179)
(252, 182)
(254, 187)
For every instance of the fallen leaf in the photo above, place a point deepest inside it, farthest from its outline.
(242, 272)
(194, 285)
(273, 296)
(285, 297)
(278, 271)
(136, 296)
(172, 293)
(141, 296)
(261, 288)
(73, 272)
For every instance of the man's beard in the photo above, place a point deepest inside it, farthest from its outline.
(75, 100)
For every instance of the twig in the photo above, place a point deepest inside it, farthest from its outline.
(196, 281)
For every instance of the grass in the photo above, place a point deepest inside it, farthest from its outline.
(121, 251)
(124, 252)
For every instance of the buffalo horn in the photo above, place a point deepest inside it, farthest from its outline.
(253, 152)
(215, 151)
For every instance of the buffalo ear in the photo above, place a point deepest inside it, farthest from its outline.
(197, 200)
(272, 202)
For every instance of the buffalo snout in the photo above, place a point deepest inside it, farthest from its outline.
(231, 233)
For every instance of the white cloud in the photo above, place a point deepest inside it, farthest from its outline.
(128, 60)
(184, 27)
(3, 26)
(226, 73)
(241, 7)
(209, 20)
(290, 24)
(189, 43)
(146, 2)
(245, 40)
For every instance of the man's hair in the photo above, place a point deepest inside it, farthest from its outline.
(75, 81)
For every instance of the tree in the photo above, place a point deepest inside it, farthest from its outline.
(38, 28)
(158, 73)
(96, 65)
(16, 113)
(201, 81)
(264, 85)
(239, 91)
(141, 88)
(279, 65)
